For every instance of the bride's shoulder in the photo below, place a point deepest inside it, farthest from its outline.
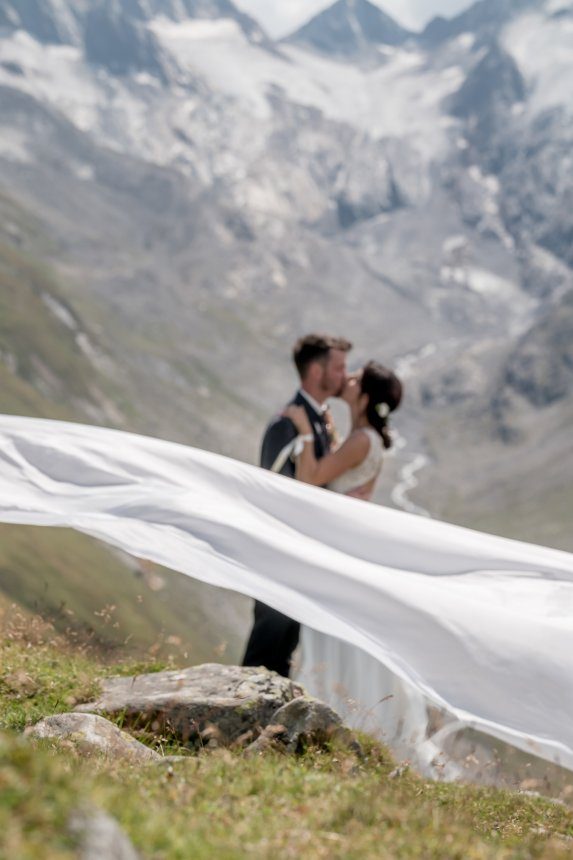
(361, 441)
(358, 442)
(375, 443)
(360, 434)
(368, 434)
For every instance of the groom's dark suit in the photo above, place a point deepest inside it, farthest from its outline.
(281, 431)
(274, 637)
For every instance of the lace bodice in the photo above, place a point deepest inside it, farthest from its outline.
(366, 470)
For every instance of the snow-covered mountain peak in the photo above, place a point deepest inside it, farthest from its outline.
(350, 28)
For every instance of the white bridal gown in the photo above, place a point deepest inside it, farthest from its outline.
(362, 690)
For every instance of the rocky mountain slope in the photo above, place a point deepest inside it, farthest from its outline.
(209, 194)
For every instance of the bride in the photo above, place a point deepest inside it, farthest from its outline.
(367, 695)
(352, 468)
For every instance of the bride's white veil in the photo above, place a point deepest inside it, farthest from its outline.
(479, 627)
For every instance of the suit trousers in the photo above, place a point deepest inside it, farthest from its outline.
(273, 640)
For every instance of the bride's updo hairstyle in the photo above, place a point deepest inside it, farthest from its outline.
(384, 391)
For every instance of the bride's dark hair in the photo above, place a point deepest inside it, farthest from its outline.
(384, 391)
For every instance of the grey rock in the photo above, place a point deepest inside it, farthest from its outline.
(89, 734)
(399, 771)
(304, 721)
(209, 705)
(455, 385)
(493, 86)
(100, 836)
(121, 43)
(537, 183)
(541, 366)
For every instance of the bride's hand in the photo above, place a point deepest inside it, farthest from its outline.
(331, 430)
(299, 418)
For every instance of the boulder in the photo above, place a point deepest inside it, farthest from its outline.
(300, 723)
(89, 734)
(209, 705)
(99, 835)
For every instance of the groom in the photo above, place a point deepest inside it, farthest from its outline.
(320, 361)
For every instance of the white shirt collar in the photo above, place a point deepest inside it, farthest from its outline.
(319, 408)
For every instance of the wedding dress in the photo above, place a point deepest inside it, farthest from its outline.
(366, 470)
(362, 690)
(479, 626)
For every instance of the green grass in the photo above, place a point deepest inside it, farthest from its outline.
(32, 340)
(92, 596)
(325, 804)
(41, 674)
(43, 370)
(19, 397)
(44, 349)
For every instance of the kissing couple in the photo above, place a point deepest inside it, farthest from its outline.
(302, 443)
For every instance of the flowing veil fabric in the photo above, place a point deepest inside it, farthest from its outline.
(371, 698)
(476, 624)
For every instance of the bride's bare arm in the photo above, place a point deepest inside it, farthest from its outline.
(320, 472)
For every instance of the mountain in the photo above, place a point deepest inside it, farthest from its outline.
(204, 195)
(493, 85)
(483, 18)
(49, 21)
(540, 368)
(350, 28)
(120, 21)
(119, 42)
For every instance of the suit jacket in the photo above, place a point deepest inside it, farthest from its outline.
(281, 431)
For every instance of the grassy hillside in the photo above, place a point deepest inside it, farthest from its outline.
(92, 594)
(85, 588)
(48, 364)
(324, 804)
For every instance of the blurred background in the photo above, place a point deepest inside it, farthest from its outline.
(186, 186)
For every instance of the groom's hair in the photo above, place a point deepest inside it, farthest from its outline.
(316, 347)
